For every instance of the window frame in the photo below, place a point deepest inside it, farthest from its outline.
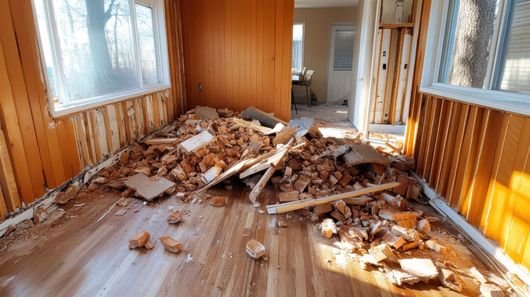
(302, 50)
(161, 51)
(487, 96)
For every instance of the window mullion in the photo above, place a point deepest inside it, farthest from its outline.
(136, 44)
(156, 32)
(496, 47)
(56, 53)
(497, 67)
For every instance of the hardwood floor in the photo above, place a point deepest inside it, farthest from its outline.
(83, 257)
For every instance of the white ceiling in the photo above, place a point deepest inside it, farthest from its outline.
(324, 3)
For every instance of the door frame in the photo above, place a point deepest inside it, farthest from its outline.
(334, 27)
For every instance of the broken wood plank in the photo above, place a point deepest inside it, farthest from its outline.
(264, 118)
(196, 142)
(159, 140)
(262, 129)
(264, 164)
(146, 187)
(290, 206)
(363, 154)
(253, 196)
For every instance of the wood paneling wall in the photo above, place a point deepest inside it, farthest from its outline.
(478, 160)
(241, 51)
(38, 152)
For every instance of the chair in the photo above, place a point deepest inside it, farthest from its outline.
(306, 82)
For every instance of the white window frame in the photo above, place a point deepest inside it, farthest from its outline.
(303, 45)
(60, 110)
(517, 103)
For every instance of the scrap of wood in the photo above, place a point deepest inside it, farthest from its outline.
(264, 118)
(198, 141)
(226, 174)
(363, 154)
(265, 164)
(146, 187)
(255, 249)
(284, 136)
(253, 196)
(262, 129)
(290, 206)
(160, 140)
(212, 173)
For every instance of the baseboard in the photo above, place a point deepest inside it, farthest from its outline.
(47, 201)
(475, 235)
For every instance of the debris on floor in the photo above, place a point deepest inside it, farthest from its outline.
(170, 244)
(141, 240)
(358, 191)
(255, 249)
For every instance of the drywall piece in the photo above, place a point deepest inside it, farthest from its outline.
(264, 118)
(212, 173)
(253, 196)
(363, 154)
(302, 125)
(423, 268)
(290, 206)
(146, 187)
(196, 142)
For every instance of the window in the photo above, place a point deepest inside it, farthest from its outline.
(96, 51)
(343, 49)
(478, 51)
(298, 47)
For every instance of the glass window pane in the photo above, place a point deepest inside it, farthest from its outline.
(343, 55)
(46, 48)
(467, 42)
(95, 48)
(146, 41)
(516, 61)
(298, 33)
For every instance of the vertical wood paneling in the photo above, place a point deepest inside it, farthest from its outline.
(479, 161)
(240, 50)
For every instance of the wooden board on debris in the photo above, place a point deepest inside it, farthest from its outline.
(196, 142)
(146, 187)
(363, 154)
(265, 164)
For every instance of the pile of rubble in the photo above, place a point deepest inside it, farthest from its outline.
(357, 194)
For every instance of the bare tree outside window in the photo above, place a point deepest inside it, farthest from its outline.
(468, 48)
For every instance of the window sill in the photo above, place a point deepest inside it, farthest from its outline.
(499, 100)
(61, 110)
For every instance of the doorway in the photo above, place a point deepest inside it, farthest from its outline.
(340, 63)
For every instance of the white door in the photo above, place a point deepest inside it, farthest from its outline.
(340, 63)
